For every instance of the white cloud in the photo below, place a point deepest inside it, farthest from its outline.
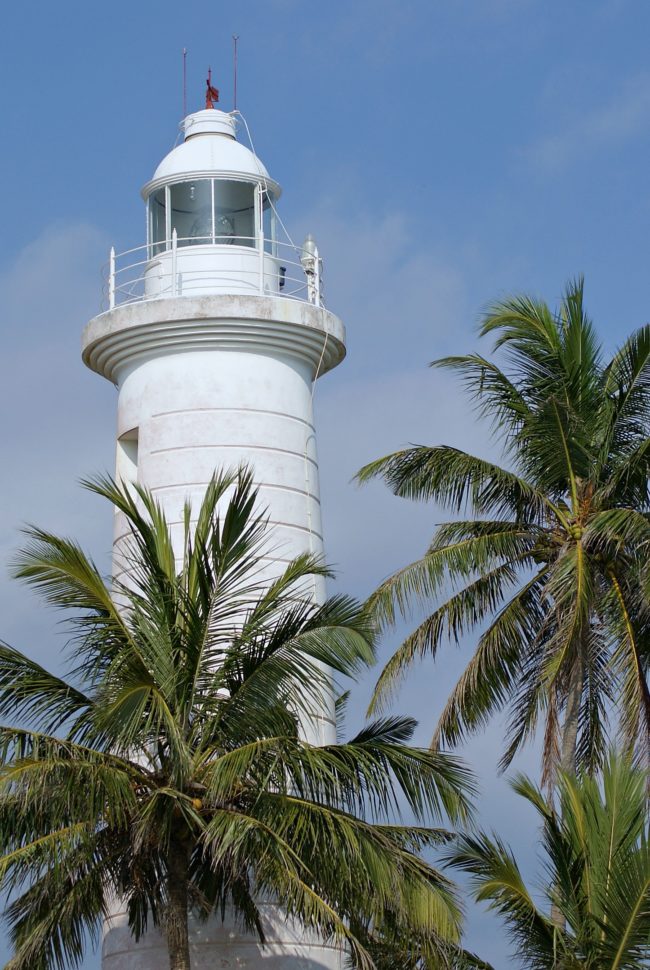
(403, 304)
(617, 119)
(57, 417)
(403, 300)
(368, 532)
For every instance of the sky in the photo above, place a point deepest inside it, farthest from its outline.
(443, 154)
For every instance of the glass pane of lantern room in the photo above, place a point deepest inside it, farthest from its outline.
(191, 205)
(157, 226)
(234, 213)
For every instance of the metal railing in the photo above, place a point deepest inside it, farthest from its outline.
(189, 266)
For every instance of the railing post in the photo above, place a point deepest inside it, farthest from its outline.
(318, 263)
(260, 243)
(260, 236)
(111, 278)
(174, 262)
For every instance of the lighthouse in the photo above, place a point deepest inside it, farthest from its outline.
(214, 334)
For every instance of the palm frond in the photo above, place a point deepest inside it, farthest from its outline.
(487, 680)
(459, 558)
(28, 690)
(596, 873)
(457, 480)
(462, 612)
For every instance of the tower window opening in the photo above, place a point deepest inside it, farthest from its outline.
(126, 465)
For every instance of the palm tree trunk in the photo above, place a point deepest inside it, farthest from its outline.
(570, 745)
(176, 925)
(571, 718)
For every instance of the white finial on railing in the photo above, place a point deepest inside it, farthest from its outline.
(111, 278)
(311, 264)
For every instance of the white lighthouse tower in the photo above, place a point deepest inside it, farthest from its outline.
(214, 335)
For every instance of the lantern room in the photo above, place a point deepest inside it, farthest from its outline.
(210, 190)
(212, 225)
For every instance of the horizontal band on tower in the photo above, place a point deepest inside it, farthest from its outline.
(301, 455)
(236, 410)
(201, 486)
(272, 524)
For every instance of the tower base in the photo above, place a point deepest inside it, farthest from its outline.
(217, 945)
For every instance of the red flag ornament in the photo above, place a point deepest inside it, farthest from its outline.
(212, 93)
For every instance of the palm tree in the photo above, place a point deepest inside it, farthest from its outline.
(596, 873)
(549, 564)
(168, 767)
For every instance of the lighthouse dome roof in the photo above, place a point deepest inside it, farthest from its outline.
(210, 148)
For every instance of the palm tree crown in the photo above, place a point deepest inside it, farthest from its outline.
(553, 553)
(168, 768)
(597, 875)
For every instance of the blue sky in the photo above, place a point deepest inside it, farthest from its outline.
(443, 155)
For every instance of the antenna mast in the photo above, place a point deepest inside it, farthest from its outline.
(185, 82)
(235, 38)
